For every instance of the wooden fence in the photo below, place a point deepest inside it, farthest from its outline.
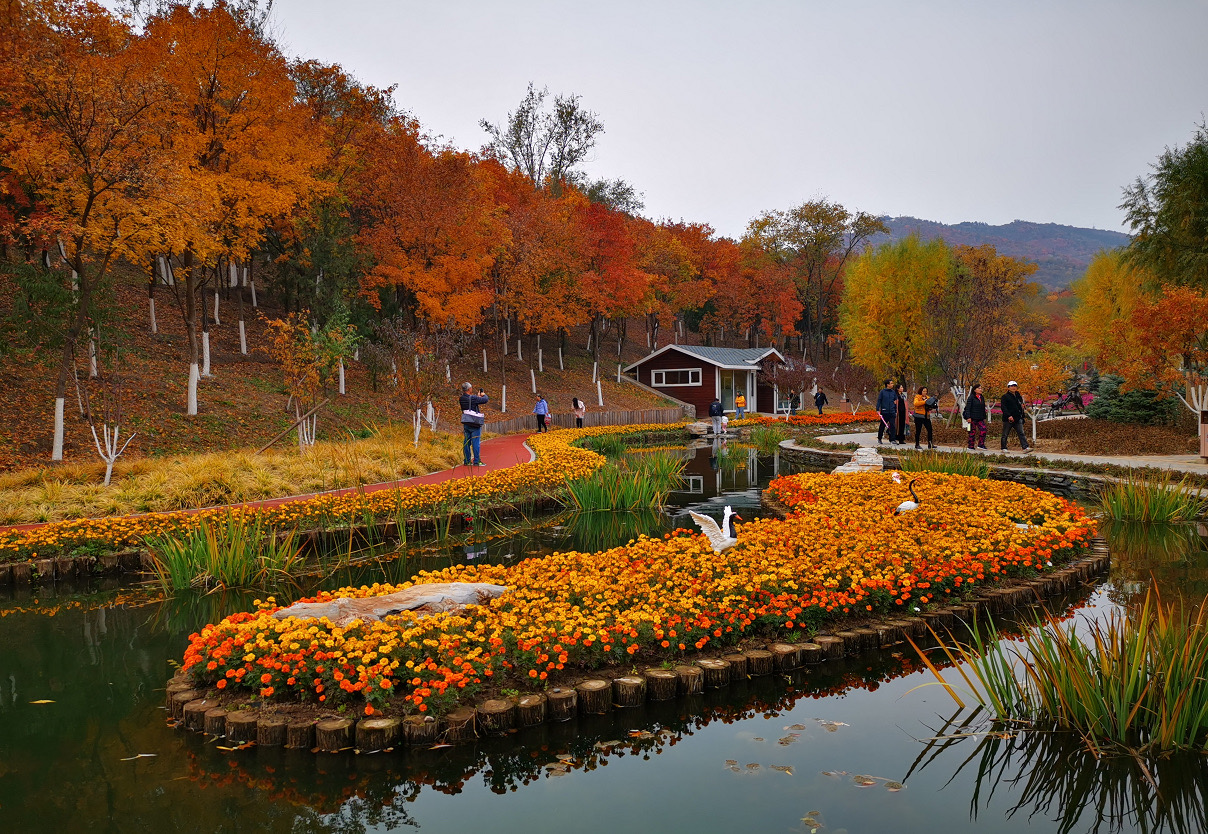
(593, 418)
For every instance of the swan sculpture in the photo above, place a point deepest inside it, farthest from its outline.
(908, 506)
(723, 537)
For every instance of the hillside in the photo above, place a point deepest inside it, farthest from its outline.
(243, 404)
(1061, 253)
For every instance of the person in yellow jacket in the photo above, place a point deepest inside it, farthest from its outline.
(740, 406)
(923, 404)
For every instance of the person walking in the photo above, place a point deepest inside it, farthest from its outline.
(472, 421)
(541, 409)
(975, 413)
(922, 417)
(1013, 415)
(819, 400)
(716, 412)
(887, 407)
(740, 406)
(580, 409)
(901, 408)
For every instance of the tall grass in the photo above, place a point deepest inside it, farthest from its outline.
(640, 482)
(611, 446)
(202, 480)
(768, 438)
(949, 463)
(1151, 497)
(237, 553)
(1135, 682)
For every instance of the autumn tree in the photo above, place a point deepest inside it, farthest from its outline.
(1107, 296)
(815, 240)
(82, 97)
(884, 313)
(1168, 213)
(235, 127)
(415, 358)
(1168, 335)
(293, 345)
(545, 143)
(977, 313)
(1040, 374)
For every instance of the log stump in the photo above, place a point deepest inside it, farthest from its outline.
(629, 691)
(563, 703)
(691, 680)
(784, 656)
(595, 697)
(272, 731)
(375, 734)
(194, 714)
(241, 726)
(175, 688)
(716, 673)
(869, 639)
(334, 734)
(65, 567)
(832, 647)
(45, 569)
(530, 710)
(459, 725)
(759, 662)
(21, 573)
(738, 665)
(661, 684)
(809, 653)
(176, 705)
(496, 716)
(300, 735)
(420, 730)
(215, 721)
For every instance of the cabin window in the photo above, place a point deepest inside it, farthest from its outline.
(684, 376)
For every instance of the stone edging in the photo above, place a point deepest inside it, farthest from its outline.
(189, 708)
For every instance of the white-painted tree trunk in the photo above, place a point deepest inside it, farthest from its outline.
(108, 450)
(503, 400)
(1196, 399)
(599, 393)
(519, 352)
(151, 304)
(505, 345)
(205, 354)
(234, 274)
(216, 321)
(647, 339)
(561, 367)
(92, 368)
(533, 374)
(595, 370)
(56, 452)
(191, 409)
(416, 422)
(448, 373)
(540, 361)
(431, 416)
(618, 373)
(243, 339)
(589, 342)
(484, 360)
(253, 286)
(341, 383)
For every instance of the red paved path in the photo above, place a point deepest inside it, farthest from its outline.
(497, 453)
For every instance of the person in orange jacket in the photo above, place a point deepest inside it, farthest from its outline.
(922, 417)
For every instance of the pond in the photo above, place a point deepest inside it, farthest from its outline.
(846, 746)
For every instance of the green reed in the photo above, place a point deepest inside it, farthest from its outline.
(639, 482)
(767, 439)
(948, 463)
(1155, 497)
(235, 553)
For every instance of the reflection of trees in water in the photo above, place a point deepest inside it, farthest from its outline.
(1174, 557)
(1054, 775)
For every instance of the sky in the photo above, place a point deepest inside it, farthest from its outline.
(717, 111)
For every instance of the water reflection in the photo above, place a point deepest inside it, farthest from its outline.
(1053, 776)
(1171, 557)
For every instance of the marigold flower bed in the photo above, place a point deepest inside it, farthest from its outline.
(841, 551)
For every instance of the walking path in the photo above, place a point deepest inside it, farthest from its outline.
(497, 453)
(1179, 463)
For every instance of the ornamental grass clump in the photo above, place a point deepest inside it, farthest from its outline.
(639, 482)
(951, 463)
(1135, 682)
(768, 438)
(1153, 497)
(239, 553)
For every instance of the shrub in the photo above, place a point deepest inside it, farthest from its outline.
(1133, 406)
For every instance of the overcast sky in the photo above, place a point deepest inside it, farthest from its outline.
(950, 111)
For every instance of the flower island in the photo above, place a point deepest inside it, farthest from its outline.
(839, 573)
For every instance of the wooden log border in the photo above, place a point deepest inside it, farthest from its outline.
(595, 695)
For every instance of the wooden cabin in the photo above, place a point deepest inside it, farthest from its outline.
(696, 374)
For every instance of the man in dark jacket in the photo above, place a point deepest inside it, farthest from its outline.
(819, 400)
(887, 407)
(1013, 415)
(716, 412)
(471, 425)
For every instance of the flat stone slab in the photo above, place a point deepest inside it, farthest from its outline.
(435, 598)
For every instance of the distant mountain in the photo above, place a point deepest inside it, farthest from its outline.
(1061, 253)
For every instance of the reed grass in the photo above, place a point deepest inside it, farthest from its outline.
(949, 463)
(611, 446)
(767, 439)
(1135, 682)
(189, 481)
(639, 482)
(1151, 497)
(235, 553)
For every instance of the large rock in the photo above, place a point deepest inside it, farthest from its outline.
(435, 598)
(700, 428)
(866, 459)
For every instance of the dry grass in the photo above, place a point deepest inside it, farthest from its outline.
(187, 481)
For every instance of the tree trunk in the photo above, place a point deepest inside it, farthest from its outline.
(191, 327)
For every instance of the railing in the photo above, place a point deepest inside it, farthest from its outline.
(593, 418)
